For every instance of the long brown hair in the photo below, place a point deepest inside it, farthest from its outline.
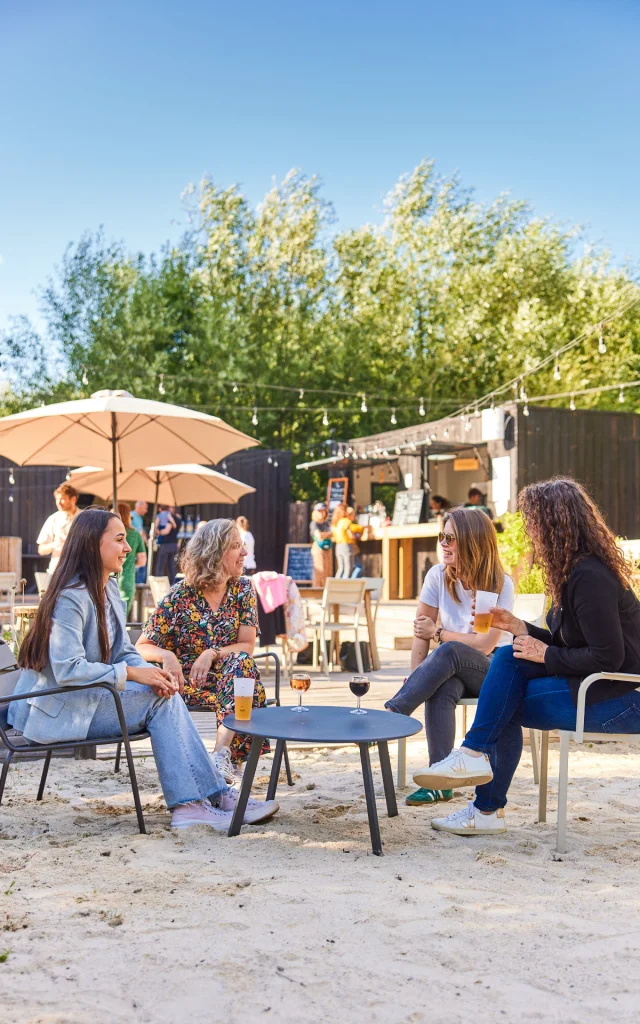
(125, 514)
(478, 565)
(566, 525)
(80, 565)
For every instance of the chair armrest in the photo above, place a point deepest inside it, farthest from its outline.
(582, 695)
(55, 690)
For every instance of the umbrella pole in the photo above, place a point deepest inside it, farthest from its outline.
(114, 461)
(152, 528)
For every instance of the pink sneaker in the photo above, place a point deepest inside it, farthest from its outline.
(201, 812)
(257, 810)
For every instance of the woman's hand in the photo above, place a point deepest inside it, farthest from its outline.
(424, 628)
(529, 649)
(202, 666)
(162, 683)
(171, 665)
(503, 619)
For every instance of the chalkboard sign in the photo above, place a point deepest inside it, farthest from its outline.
(298, 563)
(337, 492)
(407, 510)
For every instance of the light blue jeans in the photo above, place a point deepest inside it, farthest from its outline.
(184, 766)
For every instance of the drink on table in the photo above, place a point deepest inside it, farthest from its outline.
(243, 698)
(301, 682)
(359, 686)
(485, 602)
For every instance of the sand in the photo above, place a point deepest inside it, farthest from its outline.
(295, 920)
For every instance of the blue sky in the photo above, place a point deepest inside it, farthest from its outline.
(108, 110)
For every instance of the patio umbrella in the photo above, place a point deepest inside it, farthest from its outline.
(165, 485)
(112, 428)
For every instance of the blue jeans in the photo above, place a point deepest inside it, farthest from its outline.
(184, 766)
(344, 559)
(517, 693)
(141, 574)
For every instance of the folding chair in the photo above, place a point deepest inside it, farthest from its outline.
(578, 736)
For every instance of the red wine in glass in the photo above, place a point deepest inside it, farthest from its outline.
(359, 686)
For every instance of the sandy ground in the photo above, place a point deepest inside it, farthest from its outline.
(297, 921)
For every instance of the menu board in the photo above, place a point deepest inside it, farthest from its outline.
(298, 563)
(337, 492)
(407, 510)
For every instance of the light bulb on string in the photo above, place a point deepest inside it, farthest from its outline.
(621, 395)
(325, 419)
(476, 411)
(275, 464)
(68, 476)
(161, 389)
(525, 411)
(446, 432)
(398, 450)
(224, 466)
(556, 370)
(363, 406)
(12, 478)
(394, 419)
(11, 497)
(467, 424)
(602, 348)
(269, 460)
(421, 409)
(234, 388)
(301, 394)
(572, 404)
(254, 418)
(85, 379)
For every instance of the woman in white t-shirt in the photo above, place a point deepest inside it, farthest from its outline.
(249, 542)
(458, 665)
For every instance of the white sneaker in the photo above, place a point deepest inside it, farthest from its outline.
(256, 810)
(200, 812)
(222, 763)
(471, 822)
(457, 769)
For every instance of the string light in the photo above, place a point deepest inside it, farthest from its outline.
(254, 418)
(572, 404)
(556, 369)
(11, 497)
(234, 388)
(85, 379)
(467, 425)
(325, 419)
(161, 388)
(275, 464)
(602, 348)
(12, 478)
(621, 395)
(421, 409)
(224, 466)
(476, 411)
(363, 407)
(393, 417)
(301, 394)
(446, 433)
(269, 460)
(525, 411)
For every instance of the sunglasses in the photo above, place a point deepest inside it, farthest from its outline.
(447, 538)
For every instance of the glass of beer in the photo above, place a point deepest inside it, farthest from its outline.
(243, 697)
(359, 686)
(485, 601)
(301, 682)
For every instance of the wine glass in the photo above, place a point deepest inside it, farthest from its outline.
(359, 685)
(301, 682)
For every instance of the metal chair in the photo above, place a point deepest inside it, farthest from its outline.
(16, 744)
(578, 736)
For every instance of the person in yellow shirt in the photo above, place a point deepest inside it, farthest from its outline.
(344, 532)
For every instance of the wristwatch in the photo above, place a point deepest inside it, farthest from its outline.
(437, 636)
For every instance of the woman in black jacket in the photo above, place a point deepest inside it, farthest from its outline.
(594, 626)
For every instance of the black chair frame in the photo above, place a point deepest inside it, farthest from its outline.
(48, 749)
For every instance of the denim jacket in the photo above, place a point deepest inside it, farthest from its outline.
(74, 659)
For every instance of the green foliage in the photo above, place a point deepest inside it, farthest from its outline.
(444, 300)
(515, 552)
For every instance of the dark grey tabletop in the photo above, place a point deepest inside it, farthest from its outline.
(325, 725)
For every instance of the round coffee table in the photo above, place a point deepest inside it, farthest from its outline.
(323, 725)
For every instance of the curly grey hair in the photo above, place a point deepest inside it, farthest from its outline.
(202, 560)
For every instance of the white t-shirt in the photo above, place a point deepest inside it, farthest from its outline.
(454, 616)
(55, 532)
(250, 544)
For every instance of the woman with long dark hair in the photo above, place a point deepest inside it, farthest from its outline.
(593, 626)
(461, 660)
(79, 636)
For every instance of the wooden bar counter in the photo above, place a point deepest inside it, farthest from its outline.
(398, 555)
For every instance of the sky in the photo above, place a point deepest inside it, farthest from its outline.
(108, 110)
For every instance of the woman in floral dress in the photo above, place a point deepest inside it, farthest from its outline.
(205, 631)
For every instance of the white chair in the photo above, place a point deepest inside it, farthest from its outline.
(43, 579)
(159, 587)
(8, 584)
(578, 736)
(348, 594)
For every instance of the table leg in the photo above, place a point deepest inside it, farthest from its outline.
(287, 766)
(367, 776)
(387, 778)
(275, 770)
(247, 782)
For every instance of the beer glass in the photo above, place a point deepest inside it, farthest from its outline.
(485, 601)
(359, 686)
(243, 697)
(301, 682)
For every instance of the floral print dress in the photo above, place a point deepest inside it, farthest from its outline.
(184, 622)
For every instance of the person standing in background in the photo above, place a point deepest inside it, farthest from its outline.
(476, 499)
(356, 532)
(168, 524)
(54, 532)
(320, 533)
(248, 540)
(344, 542)
(140, 510)
(136, 558)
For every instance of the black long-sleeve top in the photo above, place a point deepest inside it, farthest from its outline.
(595, 629)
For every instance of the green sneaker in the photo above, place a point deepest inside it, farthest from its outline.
(429, 796)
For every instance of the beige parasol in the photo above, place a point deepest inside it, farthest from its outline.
(165, 485)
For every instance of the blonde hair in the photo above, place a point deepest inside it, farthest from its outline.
(478, 565)
(202, 560)
(242, 522)
(339, 513)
